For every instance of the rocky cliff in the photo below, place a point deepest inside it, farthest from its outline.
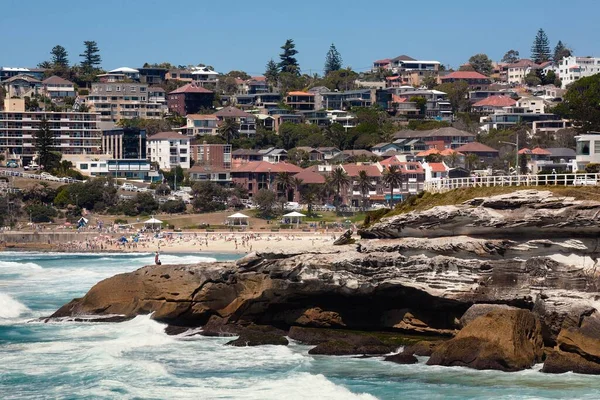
(415, 273)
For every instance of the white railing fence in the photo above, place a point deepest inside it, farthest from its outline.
(443, 185)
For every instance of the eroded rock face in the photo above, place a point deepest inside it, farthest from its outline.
(507, 340)
(528, 250)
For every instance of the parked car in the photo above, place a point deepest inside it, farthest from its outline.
(12, 164)
(49, 177)
(130, 187)
(584, 181)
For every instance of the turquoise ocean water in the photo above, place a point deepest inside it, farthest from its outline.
(136, 360)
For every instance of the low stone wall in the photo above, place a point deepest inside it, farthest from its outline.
(24, 237)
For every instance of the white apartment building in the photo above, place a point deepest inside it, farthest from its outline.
(125, 100)
(169, 149)
(573, 68)
(75, 132)
(519, 70)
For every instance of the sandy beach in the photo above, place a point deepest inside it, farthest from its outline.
(187, 242)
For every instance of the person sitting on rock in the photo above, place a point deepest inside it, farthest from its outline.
(157, 260)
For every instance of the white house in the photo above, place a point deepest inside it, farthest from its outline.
(588, 149)
(169, 150)
(573, 68)
(532, 104)
(435, 171)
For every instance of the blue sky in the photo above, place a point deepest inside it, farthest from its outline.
(246, 34)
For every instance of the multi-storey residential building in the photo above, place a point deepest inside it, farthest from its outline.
(216, 156)
(478, 95)
(200, 125)
(475, 80)
(183, 75)
(532, 104)
(257, 175)
(203, 76)
(344, 100)
(267, 101)
(123, 100)
(519, 70)
(9, 72)
(124, 143)
(189, 99)
(22, 86)
(511, 116)
(573, 68)
(407, 70)
(588, 149)
(246, 121)
(75, 132)
(152, 76)
(169, 150)
(450, 137)
(493, 104)
(437, 106)
(353, 196)
(300, 101)
(56, 87)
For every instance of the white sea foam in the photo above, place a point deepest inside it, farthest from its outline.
(10, 308)
(18, 267)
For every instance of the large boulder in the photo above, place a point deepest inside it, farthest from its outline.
(402, 358)
(318, 318)
(506, 340)
(578, 347)
(477, 310)
(424, 348)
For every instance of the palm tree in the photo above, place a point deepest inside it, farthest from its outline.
(285, 181)
(392, 177)
(310, 195)
(472, 160)
(297, 182)
(453, 159)
(229, 129)
(364, 186)
(339, 180)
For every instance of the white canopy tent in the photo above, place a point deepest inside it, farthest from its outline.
(153, 223)
(238, 219)
(295, 217)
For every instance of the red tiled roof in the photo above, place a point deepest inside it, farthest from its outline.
(392, 78)
(398, 99)
(263, 166)
(382, 61)
(475, 147)
(447, 152)
(524, 150)
(465, 75)
(310, 177)
(259, 78)
(496, 101)
(354, 169)
(523, 63)
(437, 167)
(428, 152)
(540, 152)
(168, 136)
(417, 168)
(190, 88)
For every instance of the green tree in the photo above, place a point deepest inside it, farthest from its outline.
(229, 129)
(285, 184)
(145, 203)
(457, 94)
(472, 161)
(561, 51)
(550, 79)
(582, 104)
(208, 196)
(392, 177)
(175, 176)
(309, 194)
(238, 74)
(532, 79)
(430, 82)
(173, 207)
(333, 60)
(45, 140)
(265, 201)
(364, 185)
(510, 57)
(41, 213)
(228, 85)
(272, 72)
(288, 61)
(421, 103)
(339, 180)
(59, 56)
(540, 50)
(341, 79)
(482, 64)
(91, 56)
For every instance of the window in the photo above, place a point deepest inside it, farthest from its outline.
(596, 146)
(94, 166)
(83, 166)
(583, 148)
(118, 88)
(132, 88)
(109, 88)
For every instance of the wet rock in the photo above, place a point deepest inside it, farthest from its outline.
(402, 358)
(256, 335)
(345, 238)
(506, 340)
(559, 362)
(423, 348)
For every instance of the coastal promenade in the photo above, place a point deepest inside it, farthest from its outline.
(444, 185)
